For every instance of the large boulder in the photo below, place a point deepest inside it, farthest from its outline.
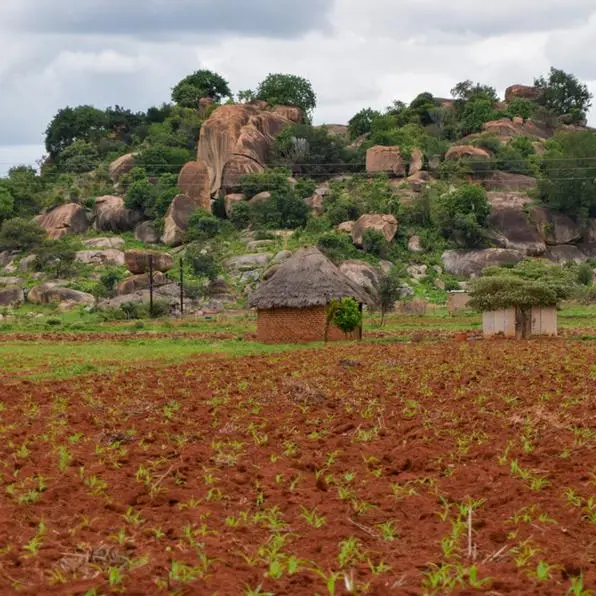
(459, 151)
(195, 183)
(109, 256)
(415, 245)
(11, 281)
(507, 181)
(522, 92)
(113, 216)
(146, 232)
(364, 275)
(244, 131)
(249, 262)
(389, 160)
(416, 162)
(136, 283)
(589, 234)
(506, 129)
(103, 243)
(230, 200)
(121, 166)
(176, 220)
(11, 296)
(64, 219)
(346, 227)
(137, 261)
(51, 292)
(386, 224)
(235, 168)
(27, 263)
(511, 224)
(565, 253)
(555, 228)
(472, 262)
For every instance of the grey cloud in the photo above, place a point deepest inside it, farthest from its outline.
(169, 18)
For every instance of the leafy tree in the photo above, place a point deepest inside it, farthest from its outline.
(6, 204)
(422, 107)
(57, 257)
(69, 124)
(362, 122)
(337, 247)
(203, 226)
(470, 91)
(344, 314)
(389, 292)
(568, 180)
(161, 159)
(474, 114)
(79, 157)
(529, 284)
(521, 107)
(461, 215)
(374, 243)
(286, 89)
(240, 215)
(282, 210)
(202, 83)
(203, 264)
(21, 234)
(564, 94)
(25, 186)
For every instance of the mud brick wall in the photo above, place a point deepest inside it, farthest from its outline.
(297, 325)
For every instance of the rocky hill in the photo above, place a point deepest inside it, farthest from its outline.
(434, 191)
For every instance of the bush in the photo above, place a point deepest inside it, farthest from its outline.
(240, 215)
(161, 159)
(362, 122)
(584, 274)
(345, 314)
(203, 226)
(56, 257)
(109, 280)
(282, 210)
(522, 108)
(141, 310)
(337, 247)
(374, 243)
(275, 179)
(202, 264)
(21, 234)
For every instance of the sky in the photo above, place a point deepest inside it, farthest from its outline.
(356, 53)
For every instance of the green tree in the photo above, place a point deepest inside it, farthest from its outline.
(271, 180)
(161, 159)
(529, 284)
(362, 122)
(374, 243)
(564, 95)
(470, 91)
(199, 84)
(203, 226)
(21, 234)
(6, 204)
(389, 292)
(461, 215)
(287, 89)
(26, 187)
(79, 157)
(84, 123)
(56, 257)
(585, 274)
(344, 314)
(568, 180)
(524, 108)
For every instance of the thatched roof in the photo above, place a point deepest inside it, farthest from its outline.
(307, 279)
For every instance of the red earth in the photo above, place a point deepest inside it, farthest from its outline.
(419, 468)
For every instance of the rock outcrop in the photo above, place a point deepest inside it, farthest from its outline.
(346, 227)
(137, 261)
(109, 256)
(195, 183)
(385, 224)
(135, 283)
(416, 162)
(52, 292)
(414, 244)
(113, 216)
(248, 262)
(522, 92)
(121, 166)
(512, 225)
(236, 140)
(565, 253)
(102, 243)
(364, 275)
(507, 181)
(11, 296)
(176, 220)
(459, 151)
(64, 219)
(555, 228)
(230, 200)
(472, 262)
(146, 232)
(389, 160)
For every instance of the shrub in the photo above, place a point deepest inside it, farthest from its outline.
(362, 122)
(56, 257)
(345, 314)
(240, 215)
(202, 264)
(389, 292)
(21, 234)
(337, 247)
(584, 274)
(275, 179)
(374, 243)
(203, 226)
(520, 107)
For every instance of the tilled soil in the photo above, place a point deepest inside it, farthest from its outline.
(444, 467)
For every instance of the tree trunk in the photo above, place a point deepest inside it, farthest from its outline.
(523, 323)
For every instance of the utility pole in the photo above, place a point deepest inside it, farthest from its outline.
(151, 286)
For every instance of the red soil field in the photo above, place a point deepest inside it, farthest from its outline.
(422, 468)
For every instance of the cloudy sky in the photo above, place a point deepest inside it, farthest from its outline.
(357, 53)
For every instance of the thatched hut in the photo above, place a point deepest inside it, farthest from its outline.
(292, 304)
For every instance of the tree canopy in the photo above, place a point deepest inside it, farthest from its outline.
(200, 84)
(287, 89)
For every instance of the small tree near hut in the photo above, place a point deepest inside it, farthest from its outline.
(344, 314)
(528, 285)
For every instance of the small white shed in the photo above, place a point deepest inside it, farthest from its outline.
(506, 322)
